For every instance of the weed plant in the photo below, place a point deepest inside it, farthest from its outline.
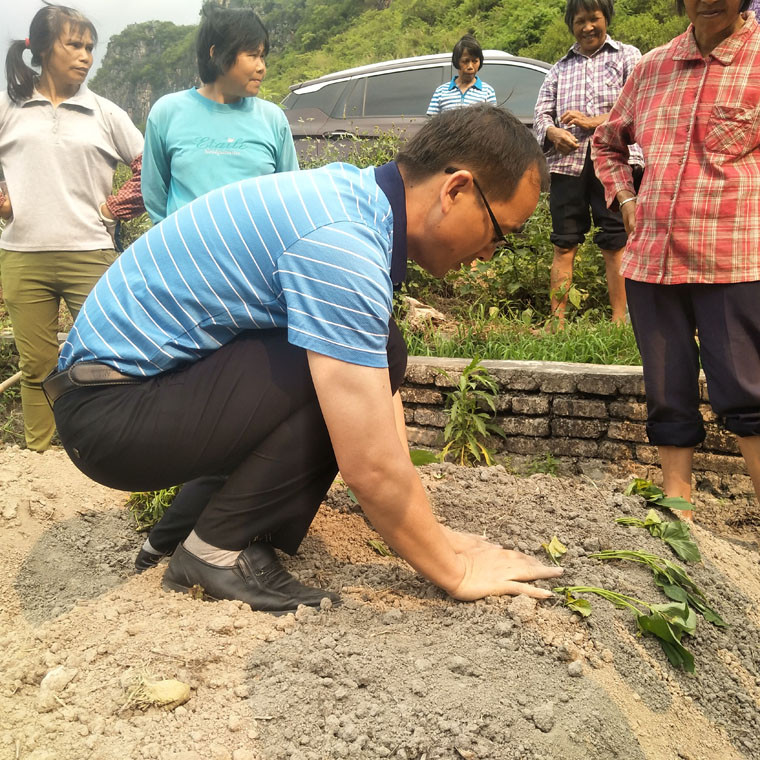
(11, 417)
(148, 507)
(469, 423)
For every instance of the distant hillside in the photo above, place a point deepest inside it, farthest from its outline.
(313, 37)
(144, 62)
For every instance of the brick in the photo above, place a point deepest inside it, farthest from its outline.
(571, 428)
(420, 374)
(703, 388)
(573, 447)
(441, 381)
(737, 485)
(721, 464)
(720, 440)
(532, 426)
(708, 415)
(647, 455)
(503, 403)
(420, 395)
(628, 410)
(432, 417)
(520, 380)
(613, 451)
(423, 437)
(526, 446)
(530, 405)
(572, 407)
(559, 384)
(599, 385)
(408, 415)
(627, 431)
(631, 385)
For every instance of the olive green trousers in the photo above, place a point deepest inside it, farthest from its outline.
(33, 285)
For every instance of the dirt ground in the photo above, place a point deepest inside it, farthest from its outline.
(399, 670)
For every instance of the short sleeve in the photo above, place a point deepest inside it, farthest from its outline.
(337, 289)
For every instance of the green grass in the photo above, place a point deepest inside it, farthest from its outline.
(503, 338)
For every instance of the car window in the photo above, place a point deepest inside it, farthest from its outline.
(325, 98)
(516, 86)
(401, 93)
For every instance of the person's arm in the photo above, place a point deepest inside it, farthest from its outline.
(545, 111)
(287, 160)
(156, 169)
(376, 466)
(128, 144)
(435, 105)
(579, 119)
(609, 150)
(128, 202)
(6, 210)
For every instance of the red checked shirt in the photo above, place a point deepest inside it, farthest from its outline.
(698, 122)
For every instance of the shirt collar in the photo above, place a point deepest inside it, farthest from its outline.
(389, 180)
(575, 50)
(83, 98)
(686, 48)
(478, 84)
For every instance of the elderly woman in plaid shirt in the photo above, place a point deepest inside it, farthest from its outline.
(692, 265)
(575, 98)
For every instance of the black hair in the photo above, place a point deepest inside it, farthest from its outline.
(489, 141)
(467, 44)
(229, 31)
(574, 7)
(45, 30)
(681, 8)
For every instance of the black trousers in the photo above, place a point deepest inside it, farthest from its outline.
(569, 202)
(241, 427)
(666, 320)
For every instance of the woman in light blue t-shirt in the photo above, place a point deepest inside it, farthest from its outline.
(200, 139)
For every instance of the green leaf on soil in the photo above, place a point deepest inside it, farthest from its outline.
(667, 622)
(674, 533)
(555, 549)
(671, 578)
(379, 547)
(420, 457)
(652, 493)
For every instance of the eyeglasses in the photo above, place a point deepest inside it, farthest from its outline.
(499, 236)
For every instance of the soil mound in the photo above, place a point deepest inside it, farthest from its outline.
(398, 671)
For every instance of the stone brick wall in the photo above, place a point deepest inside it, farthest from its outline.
(585, 412)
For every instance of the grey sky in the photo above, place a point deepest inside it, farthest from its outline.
(109, 17)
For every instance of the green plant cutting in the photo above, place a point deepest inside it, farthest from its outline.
(654, 494)
(469, 424)
(148, 507)
(667, 622)
(674, 533)
(674, 581)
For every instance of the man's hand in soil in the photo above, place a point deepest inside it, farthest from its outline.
(496, 571)
(465, 542)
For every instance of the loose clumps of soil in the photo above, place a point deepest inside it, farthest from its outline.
(398, 671)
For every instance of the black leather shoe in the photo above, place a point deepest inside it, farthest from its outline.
(257, 578)
(145, 560)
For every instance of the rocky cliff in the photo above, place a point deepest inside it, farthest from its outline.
(144, 62)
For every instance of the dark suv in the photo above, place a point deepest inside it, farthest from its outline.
(394, 95)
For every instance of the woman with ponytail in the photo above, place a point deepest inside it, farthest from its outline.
(59, 146)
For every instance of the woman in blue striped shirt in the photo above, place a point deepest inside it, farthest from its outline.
(467, 88)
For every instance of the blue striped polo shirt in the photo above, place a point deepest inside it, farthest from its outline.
(448, 96)
(316, 252)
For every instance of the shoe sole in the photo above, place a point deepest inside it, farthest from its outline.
(169, 585)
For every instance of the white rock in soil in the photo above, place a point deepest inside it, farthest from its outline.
(243, 754)
(58, 679)
(575, 669)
